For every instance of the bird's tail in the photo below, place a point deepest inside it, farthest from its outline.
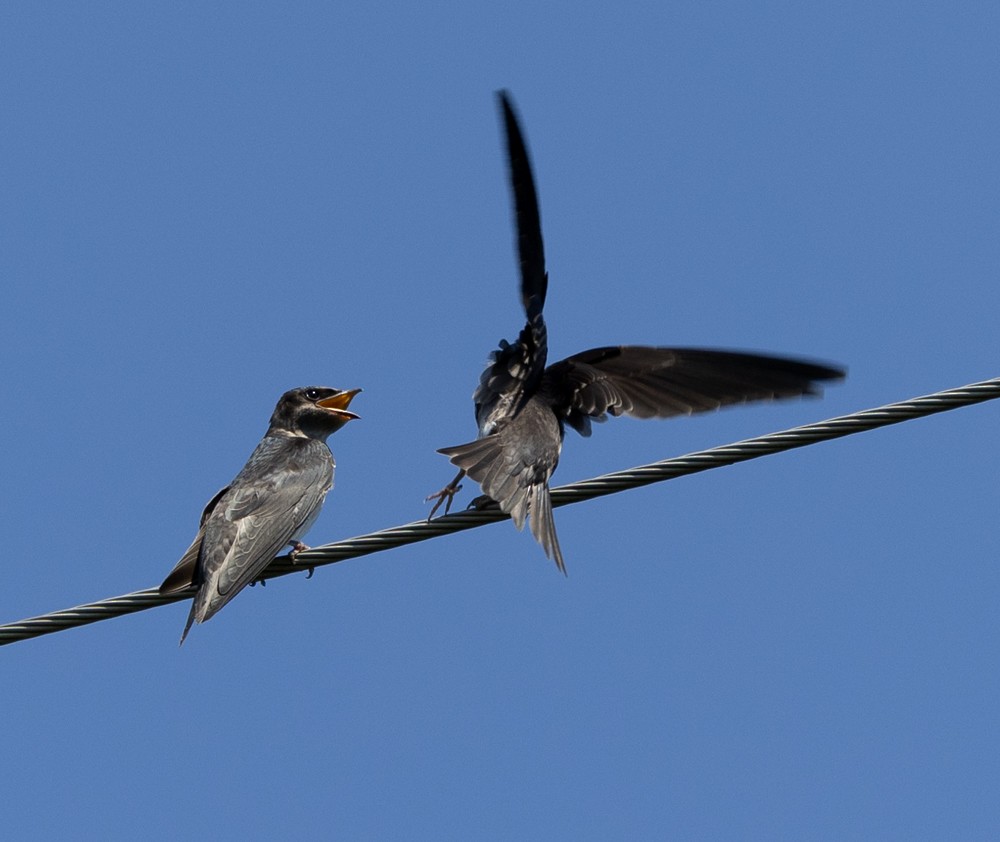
(187, 626)
(185, 572)
(543, 525)
(183, 576)
(483, 461)
(475, 458)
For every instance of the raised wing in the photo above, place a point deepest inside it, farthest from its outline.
(516, 368)
(530, 250)
(512, 375)
(647, 382)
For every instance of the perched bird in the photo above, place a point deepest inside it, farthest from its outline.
(523, 407)
(272, 502)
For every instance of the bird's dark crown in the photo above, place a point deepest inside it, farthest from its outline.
(313, 412)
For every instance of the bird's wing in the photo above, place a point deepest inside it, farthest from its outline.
(252, 523)
(512, 375)
(647, 382)
(530, 249)
(515, 369)
(185, 572)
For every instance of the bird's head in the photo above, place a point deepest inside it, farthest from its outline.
(313, 412)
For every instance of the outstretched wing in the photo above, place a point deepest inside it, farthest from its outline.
(647, 382)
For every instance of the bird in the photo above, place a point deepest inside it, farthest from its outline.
(523, 406)
(271, 503)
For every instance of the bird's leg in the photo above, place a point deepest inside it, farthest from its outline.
(445, 495)
(298, 547)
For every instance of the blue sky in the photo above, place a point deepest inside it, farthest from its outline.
(203, 207)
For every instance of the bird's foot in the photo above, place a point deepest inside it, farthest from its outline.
(445, 495)
(298, 547)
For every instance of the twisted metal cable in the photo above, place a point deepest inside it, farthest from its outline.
(411, 533)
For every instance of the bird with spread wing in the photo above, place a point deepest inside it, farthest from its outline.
(523, 406)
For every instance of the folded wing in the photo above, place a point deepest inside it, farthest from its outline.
(251, 526)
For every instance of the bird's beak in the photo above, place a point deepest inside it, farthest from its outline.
(339, 403)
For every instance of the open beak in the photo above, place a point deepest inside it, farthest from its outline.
(339, 403)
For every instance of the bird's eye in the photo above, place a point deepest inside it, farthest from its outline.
(312, 394)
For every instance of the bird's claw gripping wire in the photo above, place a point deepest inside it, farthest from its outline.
(298, 547)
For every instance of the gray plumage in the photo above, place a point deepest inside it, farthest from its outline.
(271, 503)
(523, 407)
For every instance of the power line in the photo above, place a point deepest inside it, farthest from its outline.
(411, 533)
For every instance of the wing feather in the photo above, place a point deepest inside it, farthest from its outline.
(646, 382)
(264, 510)
(515, 369)
(527, 219)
